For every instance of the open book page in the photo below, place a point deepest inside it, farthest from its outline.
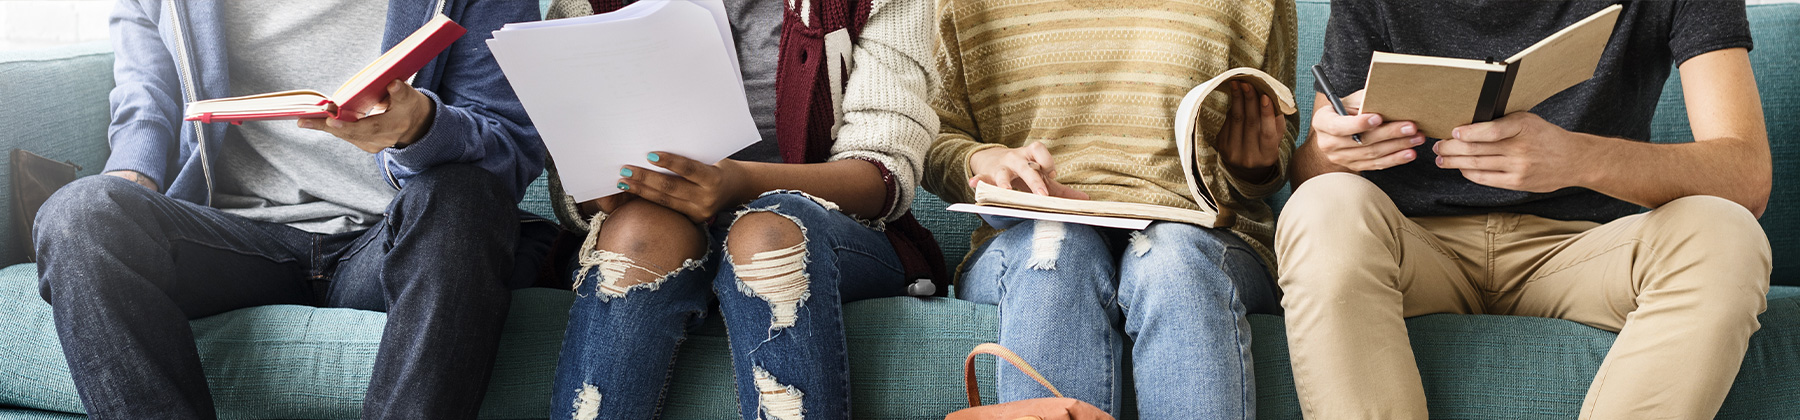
(604, 94)
(990, 195)
(1563, 60)
(1006, 216)
(1205, 173)
(284, 103)
(1437, 94)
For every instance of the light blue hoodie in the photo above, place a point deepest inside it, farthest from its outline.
(170, 52)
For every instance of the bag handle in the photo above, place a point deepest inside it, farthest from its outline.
(1002, 353)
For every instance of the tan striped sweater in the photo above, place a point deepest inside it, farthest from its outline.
(1098, 82)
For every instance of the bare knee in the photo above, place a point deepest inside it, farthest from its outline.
(639, 245)
(768, 253)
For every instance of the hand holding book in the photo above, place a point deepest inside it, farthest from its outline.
(1250, 142)
(1385, 144)
(398, 120)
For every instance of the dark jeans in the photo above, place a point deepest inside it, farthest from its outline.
(125, 268)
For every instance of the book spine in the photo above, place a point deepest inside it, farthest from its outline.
(1495, 90)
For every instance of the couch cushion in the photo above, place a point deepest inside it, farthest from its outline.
(57, 108)
(286, 361)
(281, 361)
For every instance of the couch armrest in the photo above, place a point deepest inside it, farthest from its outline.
(56, 106)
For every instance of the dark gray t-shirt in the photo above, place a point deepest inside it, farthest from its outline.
(1650, 38)
(756, 26)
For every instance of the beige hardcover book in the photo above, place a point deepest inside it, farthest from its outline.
(1440, 93)
(1203, 175)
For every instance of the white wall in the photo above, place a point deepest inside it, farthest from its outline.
(26, 24)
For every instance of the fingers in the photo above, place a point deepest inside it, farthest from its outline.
(1029, 176)
(1465, 148)
(693, 170)
(1492, 163)
(1353, 103)
(1504, 128)
(1329, 122)
(1037, 152)
(1057, 189)
(1377, 155)
(661, 189)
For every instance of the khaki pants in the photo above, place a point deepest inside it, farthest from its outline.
(1682, 285)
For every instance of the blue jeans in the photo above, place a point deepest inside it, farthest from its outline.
(124, 269)
(1178, 292)
(619, 350)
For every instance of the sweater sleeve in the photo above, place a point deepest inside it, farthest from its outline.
(887, 115)
(947, 163)
(146, 100)
(1278, 61)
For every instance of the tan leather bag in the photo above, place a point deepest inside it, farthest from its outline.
(1059, 408)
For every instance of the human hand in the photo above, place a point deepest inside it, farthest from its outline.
(396, 121)
(1384, 144)
(1250, 142)
(134, 176)
(697, 190)
(1520, 152)
(1029, 168)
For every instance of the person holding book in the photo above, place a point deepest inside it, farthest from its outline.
(777, 236)
(408, 210)
(1535, 213)
(1078, 100)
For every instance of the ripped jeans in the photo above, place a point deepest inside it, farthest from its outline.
(1071, 295)
(785, 325)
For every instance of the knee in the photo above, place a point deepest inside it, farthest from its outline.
(1326, 198)
(640, 245)
(768, 253)
(1719, 227)
(87, 207)
(465, 190)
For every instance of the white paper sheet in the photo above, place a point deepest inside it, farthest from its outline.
(1101, 221)
(604, 92)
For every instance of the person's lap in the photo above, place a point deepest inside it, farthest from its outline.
(622, 344)
(1071, 295)
(121, 260)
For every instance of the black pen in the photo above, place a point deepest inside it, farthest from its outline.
(1325, 86)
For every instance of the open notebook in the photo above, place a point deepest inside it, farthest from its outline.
(1440, 93)
(1126, 215)
(367, 88)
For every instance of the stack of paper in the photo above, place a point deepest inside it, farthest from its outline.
(605, 90)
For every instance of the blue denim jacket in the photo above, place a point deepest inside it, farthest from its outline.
(170, 52)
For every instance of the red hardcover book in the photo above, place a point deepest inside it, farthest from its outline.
(368, 87)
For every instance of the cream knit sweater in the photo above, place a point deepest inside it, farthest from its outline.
(1098, 82)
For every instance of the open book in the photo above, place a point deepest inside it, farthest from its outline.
(368, 87)
(1202, 176)
(1440, 94)
(604, 90)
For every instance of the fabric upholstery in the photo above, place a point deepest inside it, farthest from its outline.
(56, 108)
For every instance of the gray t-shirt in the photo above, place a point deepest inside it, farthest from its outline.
(1619, 101)
(274, 171)
(756, 26)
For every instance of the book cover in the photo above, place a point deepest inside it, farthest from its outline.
(366, 88)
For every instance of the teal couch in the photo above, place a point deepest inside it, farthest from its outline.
(300, 362)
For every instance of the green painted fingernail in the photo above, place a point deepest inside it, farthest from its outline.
(654, 158)
(624, 187)
(625, 172)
